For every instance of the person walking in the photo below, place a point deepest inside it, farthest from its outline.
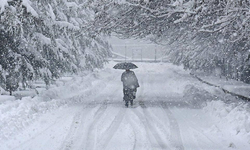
(130, 85)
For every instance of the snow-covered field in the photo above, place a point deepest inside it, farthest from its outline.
(172, 111)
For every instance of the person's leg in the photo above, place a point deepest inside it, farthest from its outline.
(126, 96)
(131, 102)
(124, 93)
(126, 103)
(130, 96)
(134, 93)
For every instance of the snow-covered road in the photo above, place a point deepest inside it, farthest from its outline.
(170, 112)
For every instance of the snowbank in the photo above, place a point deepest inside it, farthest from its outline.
(15, 115)
(233, 86)
(197, 97)
(231, 117)
(4, 98)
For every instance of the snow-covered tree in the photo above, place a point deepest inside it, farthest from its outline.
(201, 34)
(48, 38)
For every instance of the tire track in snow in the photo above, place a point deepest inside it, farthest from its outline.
(175, 136)
(143, 120)
(76, 128)
(175, 141)
(138, 143)
(91, 135)
(109, 133)
(134, 127)
(114, 126)
(150, 129)
(82, 135)
(69, 140)
(58, 121)
(198, 136)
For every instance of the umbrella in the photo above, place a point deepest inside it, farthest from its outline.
(125, 65)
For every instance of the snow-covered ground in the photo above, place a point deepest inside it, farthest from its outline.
(172, 111)
(237, 87)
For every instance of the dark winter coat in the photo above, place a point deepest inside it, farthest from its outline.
(129, 80)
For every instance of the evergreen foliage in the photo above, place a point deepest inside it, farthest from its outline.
(43, 39)
(201, 34)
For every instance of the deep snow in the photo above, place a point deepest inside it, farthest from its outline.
(173, 110)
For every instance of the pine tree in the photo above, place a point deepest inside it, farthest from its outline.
(201, 34)
(45, 39)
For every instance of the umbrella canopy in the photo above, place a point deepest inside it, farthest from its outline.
(125, 65)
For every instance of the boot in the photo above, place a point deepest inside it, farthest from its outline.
(126, 103)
